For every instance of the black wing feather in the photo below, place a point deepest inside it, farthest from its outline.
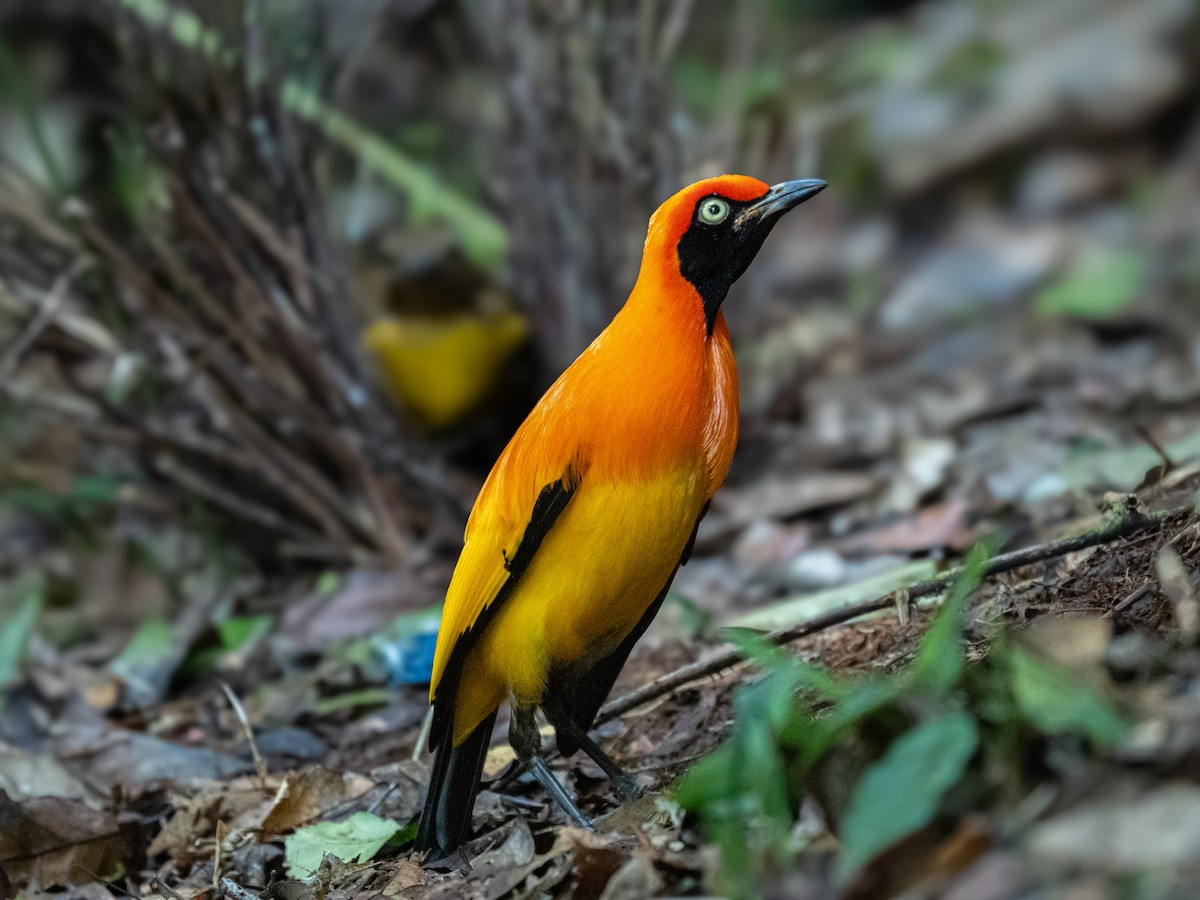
(549, 505)
(454, 781)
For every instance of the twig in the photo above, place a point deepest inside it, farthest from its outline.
(235, 891)
(1128, 520)
(224, 499)
(165, 889)
(1133, 597)
(260, 764)
(50, 304)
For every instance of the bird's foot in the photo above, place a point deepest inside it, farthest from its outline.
(540, 771)
(626, 787)
(526, 741)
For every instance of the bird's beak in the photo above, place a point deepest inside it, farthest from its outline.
(778, 200)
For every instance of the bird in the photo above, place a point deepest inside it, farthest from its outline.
(442, 368)
(578, 530)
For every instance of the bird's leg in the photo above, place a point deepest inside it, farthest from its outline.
(556, 706)
(526, 741)
(623, 783)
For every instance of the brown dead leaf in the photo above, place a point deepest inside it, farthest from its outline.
(767, 541)
(305, 796)
(499, 861)
(405, 877)
(934, 527)
(598, 856)
(133, 760)
(189, 835)
(25, 775)
(59, 682)
(366, 601)
(630, 818)
(969, 841)
(1177, 585)
(59, 842)
(794, 496)
(637, 878)
(1079, 643)
(1132, 830)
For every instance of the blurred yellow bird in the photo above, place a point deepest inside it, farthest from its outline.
(442, 369)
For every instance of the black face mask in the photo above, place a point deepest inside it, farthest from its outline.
(726, 235)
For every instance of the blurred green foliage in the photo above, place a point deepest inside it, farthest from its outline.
(20, 92)
(1097, 289)
(885, 755)
(139, 188)
(901, 792)
(873, 58)
(18, 617)
(74, 512)
(969, 67)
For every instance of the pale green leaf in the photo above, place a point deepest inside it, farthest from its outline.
(17, 622)
(807, 607)
(1097, 290)
(353, 840)
(1057, 702)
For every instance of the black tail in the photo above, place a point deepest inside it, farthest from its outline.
(446, 821)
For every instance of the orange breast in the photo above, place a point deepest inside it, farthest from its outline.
(644, 425)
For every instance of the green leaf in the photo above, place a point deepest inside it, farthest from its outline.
(1097, 290)
(152, 644)
(749, 770)
(328, 582)
(1092, 466)
(754, 646)
(147, 661)
(16, 628)
(901, 793)
(813, 737)
(1057, 702)
(742, 791)
(405, 835)
(696, 619)
(939, 663)
(37, 501)
(240, 630)
(95, 493)
(353, 840)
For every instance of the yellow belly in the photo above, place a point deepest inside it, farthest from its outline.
(595, 574)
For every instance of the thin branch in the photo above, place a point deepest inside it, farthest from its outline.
(260, 764)
(48, 309)
(232, 503)
(1126, 521)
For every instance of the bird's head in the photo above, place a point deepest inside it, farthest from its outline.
(709, 232)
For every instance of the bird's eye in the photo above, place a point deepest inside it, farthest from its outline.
(713, 211)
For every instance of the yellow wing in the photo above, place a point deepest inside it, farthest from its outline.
(524, 495)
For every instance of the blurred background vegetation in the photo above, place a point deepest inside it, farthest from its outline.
(279, 279)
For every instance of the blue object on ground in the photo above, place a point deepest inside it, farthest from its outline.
(408, 658)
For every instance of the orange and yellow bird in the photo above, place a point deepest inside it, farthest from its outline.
(594, 504)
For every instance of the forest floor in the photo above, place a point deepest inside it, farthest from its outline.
(994, 346)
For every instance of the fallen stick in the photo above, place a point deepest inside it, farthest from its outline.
(1125, 520)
